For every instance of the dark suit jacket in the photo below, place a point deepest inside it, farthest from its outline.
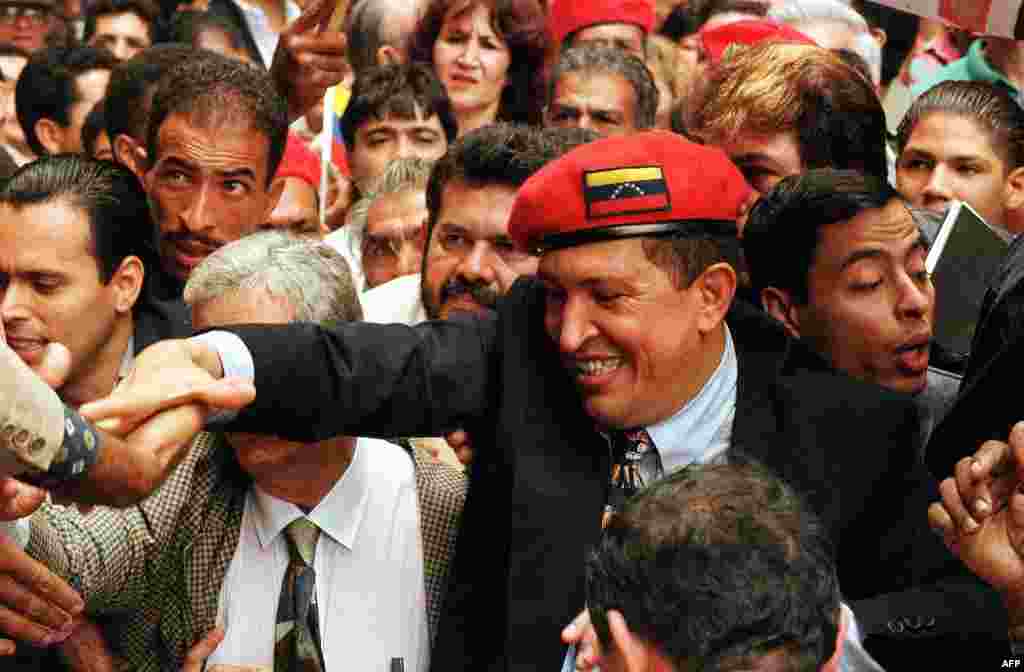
(159, 320)
(539, 478)
(987, 406)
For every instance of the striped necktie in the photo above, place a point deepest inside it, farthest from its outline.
(635, 464)
(297, 637)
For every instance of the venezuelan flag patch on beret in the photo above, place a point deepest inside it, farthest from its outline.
(625, 191)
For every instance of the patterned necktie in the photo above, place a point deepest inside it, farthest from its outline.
(635, 464)
(297, 636)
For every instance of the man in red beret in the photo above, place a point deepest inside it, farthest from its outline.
(626, 358)
(613, 23)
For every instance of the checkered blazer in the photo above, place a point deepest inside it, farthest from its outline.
(157, 568)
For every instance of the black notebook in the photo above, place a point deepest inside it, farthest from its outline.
(962, 260)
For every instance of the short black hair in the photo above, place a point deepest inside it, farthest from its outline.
(95, 123)
(216, 89)
(784, 227)
(112, 198)
(10, 49)
(589, 58)
(717, 565)
(188, 26)
(144, 9)
(129, 94)
(397, 90)
(502, 154)
(46, 88)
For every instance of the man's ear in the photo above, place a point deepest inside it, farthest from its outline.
(717, 286)
(273, 196)
(127, 283)
(51, 135)
(388, 55)
(880, 36)
(130, 154)
(1013, 192)
(779, 304)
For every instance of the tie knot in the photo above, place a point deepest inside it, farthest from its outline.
(303, 533)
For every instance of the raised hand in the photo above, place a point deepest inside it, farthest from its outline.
(310, 57)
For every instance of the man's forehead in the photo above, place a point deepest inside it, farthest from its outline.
(480, 209)
(214, 143)
(391, 120)
(892, 226)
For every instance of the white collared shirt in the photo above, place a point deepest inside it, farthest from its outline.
(368, 563)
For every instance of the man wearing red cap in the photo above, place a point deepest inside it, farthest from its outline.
(614, 23)
(625, 360)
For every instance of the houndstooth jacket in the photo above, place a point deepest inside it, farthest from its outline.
(156, 569)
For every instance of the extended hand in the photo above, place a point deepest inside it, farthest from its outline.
(981, 516)
(36, 606)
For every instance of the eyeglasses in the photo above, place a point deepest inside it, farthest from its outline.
(31, 13)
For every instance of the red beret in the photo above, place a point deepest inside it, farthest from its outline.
(646, 184)
(717, 39)
(299, 161)
(565, 17)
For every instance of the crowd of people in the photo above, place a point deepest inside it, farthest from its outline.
(504, 335)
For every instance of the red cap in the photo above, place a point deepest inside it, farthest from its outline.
(717, 39)
(299, 161)
(654, 183)
(565, 17)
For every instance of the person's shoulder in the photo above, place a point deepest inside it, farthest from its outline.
(385, 461)
(395, 301)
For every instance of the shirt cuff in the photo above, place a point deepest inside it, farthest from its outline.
(18, 531)
(235, 360)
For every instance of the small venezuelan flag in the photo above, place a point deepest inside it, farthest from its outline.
(625, 191)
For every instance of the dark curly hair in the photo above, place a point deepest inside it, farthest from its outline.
(522, 25)
(716, 566)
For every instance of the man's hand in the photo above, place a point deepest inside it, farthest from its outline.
(202, 650)
(36, 606)
(168, 375)
(86, 650)
(981, 517)
(588, 647)
(309, 58)
(151, 418)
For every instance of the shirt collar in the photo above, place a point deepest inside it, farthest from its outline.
(338, 515)
(980, 70)
(128, 359)
(684, 437)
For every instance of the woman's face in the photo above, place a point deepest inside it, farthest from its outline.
(949, 157)
(470, 59)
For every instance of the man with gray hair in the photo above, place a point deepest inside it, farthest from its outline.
(605, 89)
(378, 32)
(335, 519)
(385, 230)
(837, 26)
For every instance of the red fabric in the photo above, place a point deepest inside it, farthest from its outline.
(717, 39)
(300, 161)
(565, 17)
(649, 177)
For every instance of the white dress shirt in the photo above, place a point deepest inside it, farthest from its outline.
(397, 301)
(369, 570)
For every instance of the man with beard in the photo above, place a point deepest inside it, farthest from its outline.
(469, 259)
(216, 135)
